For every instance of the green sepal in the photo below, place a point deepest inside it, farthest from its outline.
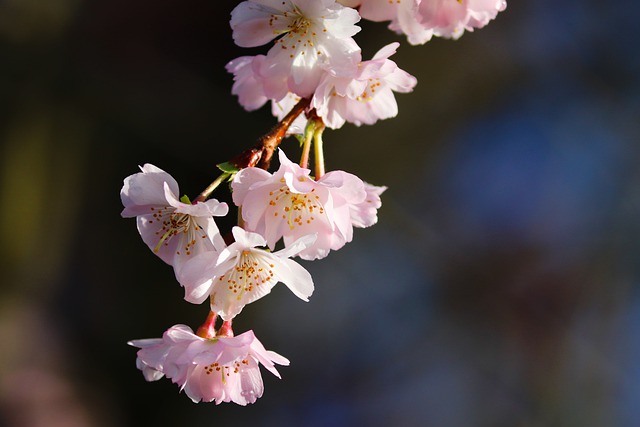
(185, 199)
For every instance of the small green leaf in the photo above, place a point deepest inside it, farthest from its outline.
(185, 199)
(227, 167)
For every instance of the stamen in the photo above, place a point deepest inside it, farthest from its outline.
(164, 237)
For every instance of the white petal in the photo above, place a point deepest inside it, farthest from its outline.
(181, 333)
(298, 246)
(145, 189)
(196, 276)
(212, 232)
(244, 180)
(251, 385)
(146, 342)
(250, 24)
(247, 239)
(295, 277)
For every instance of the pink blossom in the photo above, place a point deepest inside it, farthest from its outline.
(313, 35)
(289, 204)
(175, 231)
(247, 83)
(220, 369)
(366, 96)
(250, 84)
(420, 20)
(365, 214)
(450, 18)
(243, 273)
(403, 17)
(363, 95)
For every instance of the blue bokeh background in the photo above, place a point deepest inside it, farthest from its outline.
(500, 287)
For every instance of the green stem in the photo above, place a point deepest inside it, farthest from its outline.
(318, 152)
(240, 219)
(260, 155)
(207, 191)
(306, 147)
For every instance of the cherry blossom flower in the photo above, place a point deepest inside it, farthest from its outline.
(403, 17)
(366, 96)
(254, 90)
(251, 86)
(243, 273)
(313, 35)
(365, 214)
(290, 204)
(175, 231)
(220, 369)
(420, 20)
(363, 96)
(450, 18)
(247, 84)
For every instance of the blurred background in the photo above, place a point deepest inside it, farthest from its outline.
(501, 286)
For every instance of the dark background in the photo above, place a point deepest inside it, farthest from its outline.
(499, 288)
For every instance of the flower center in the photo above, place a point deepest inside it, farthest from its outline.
(250, 272)
(297, 209)
(175, 223)
(370, 91)
(225, 370)
(299, 35)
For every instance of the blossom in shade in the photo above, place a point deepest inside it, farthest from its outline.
(312, 35)
(367, 95)
(247, 84)
(251, 86)
(420, 20)
(365, 214)
(363, 95)
(290, 204)
(174, 230)
(450, 18)
(243, 273)
(403, 17)
(220, 369)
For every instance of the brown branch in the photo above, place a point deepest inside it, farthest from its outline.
(260, 155)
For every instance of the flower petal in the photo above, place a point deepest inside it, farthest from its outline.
(295, 277)
(196, 276)
(144, 189)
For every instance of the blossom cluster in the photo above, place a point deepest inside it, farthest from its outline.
(314, 54)
(309, 217)
(220, 369)
(420, 20)
(315, 78)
